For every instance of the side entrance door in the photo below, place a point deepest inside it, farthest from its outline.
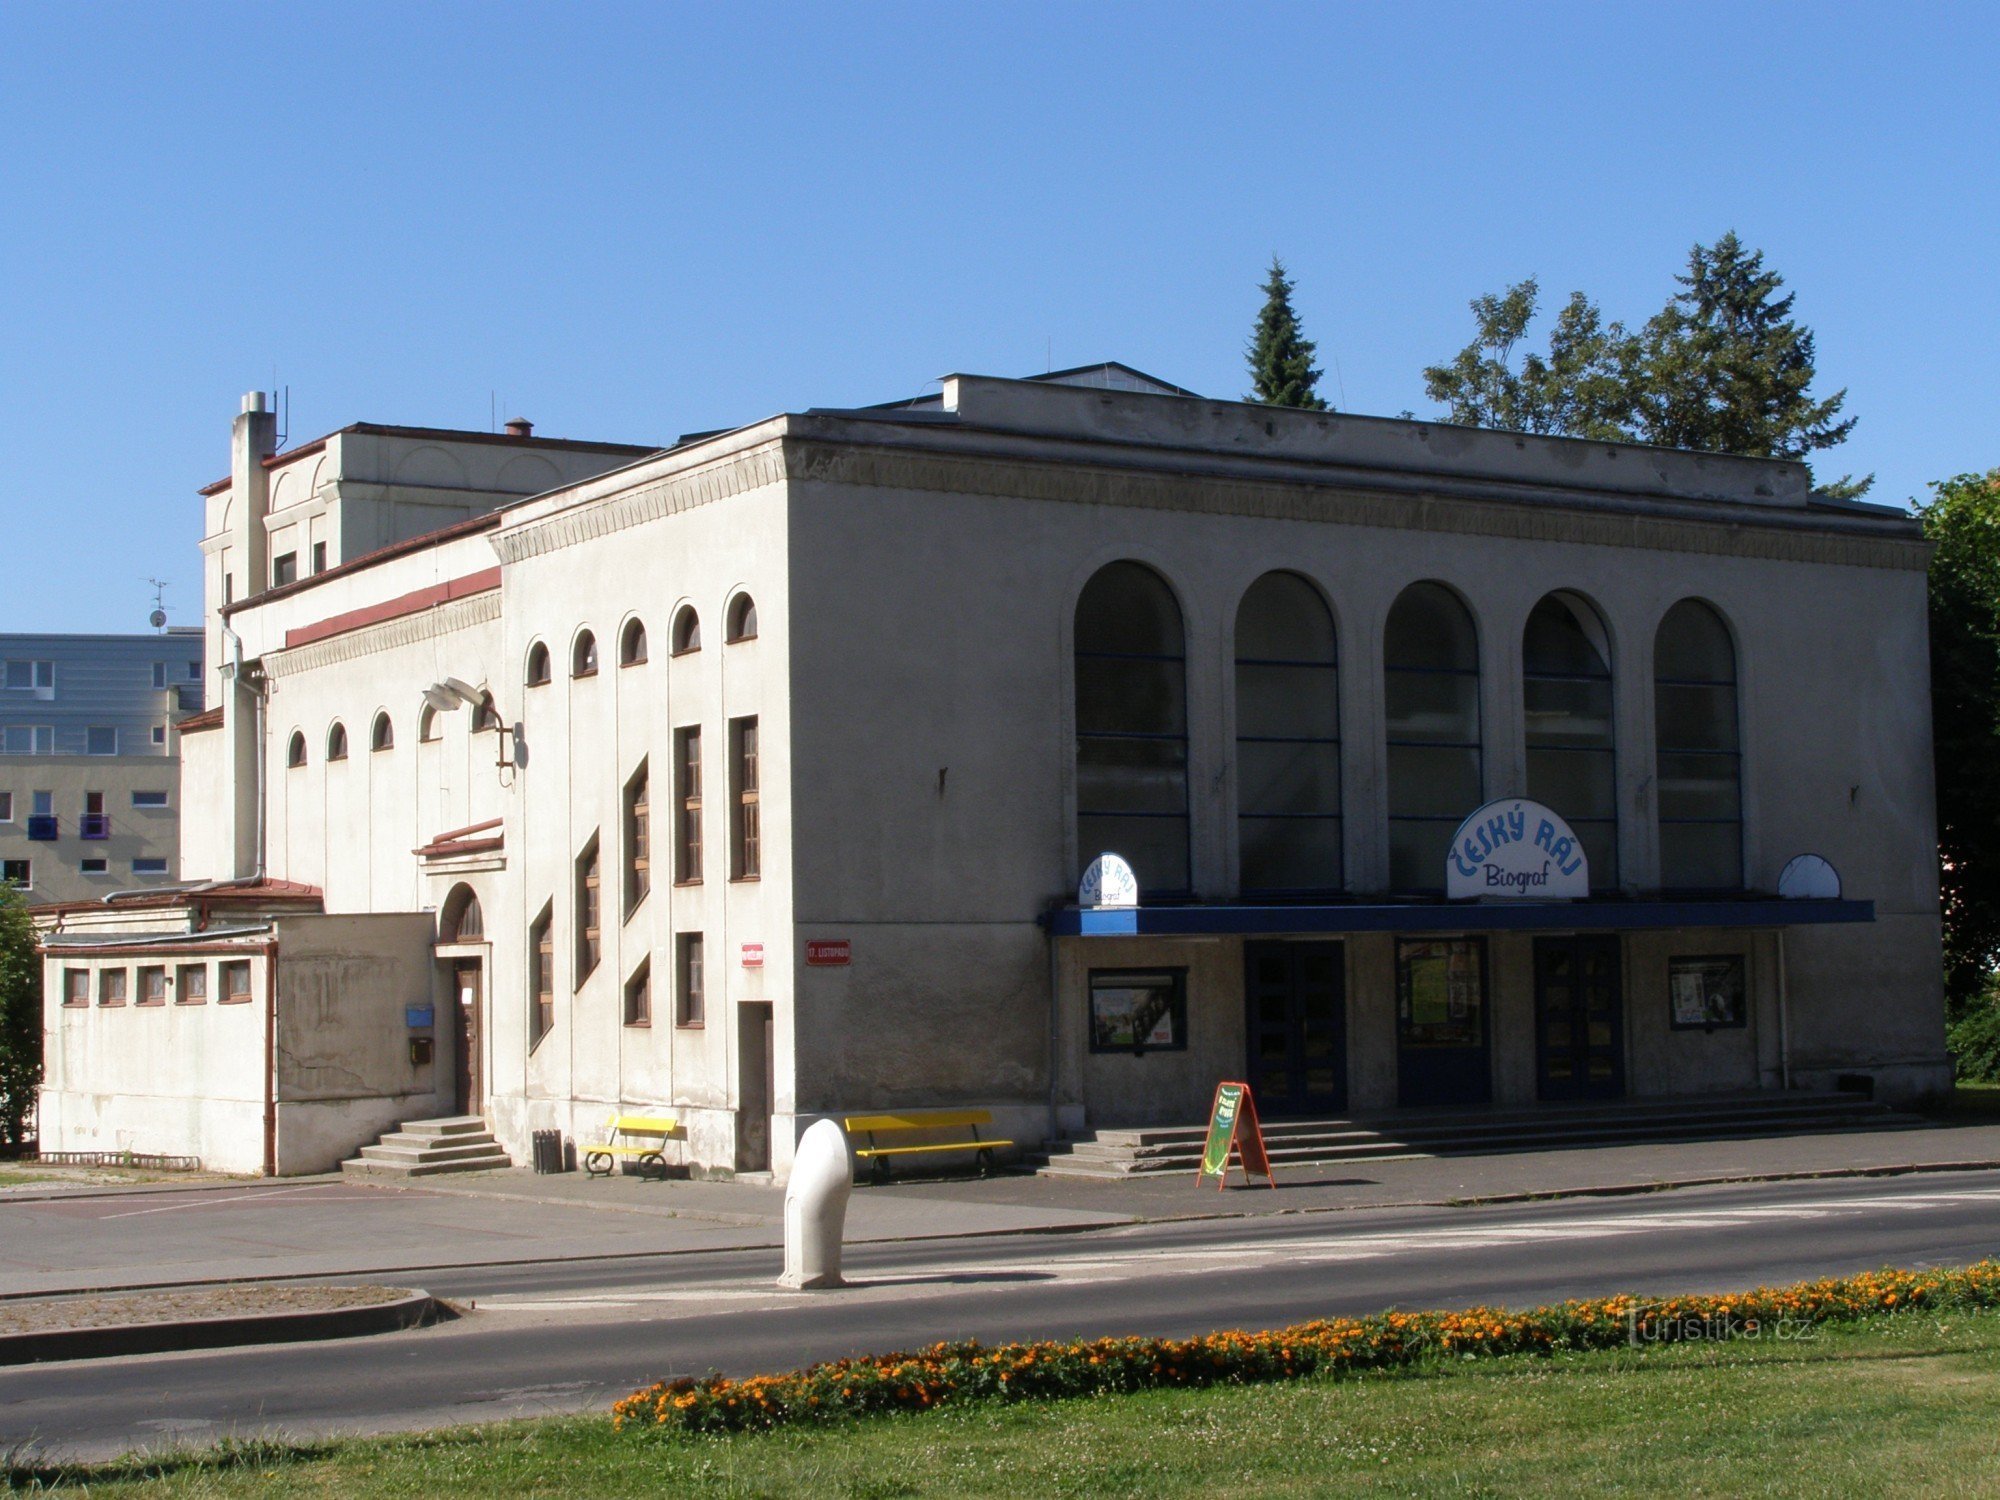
(468, 1092)
(1297, 999)
(1579, 1018)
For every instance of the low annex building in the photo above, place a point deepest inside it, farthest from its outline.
(752, 779)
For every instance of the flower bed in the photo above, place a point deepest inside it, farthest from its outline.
(960, 1372)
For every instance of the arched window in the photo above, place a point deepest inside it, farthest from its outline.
(336, 741)
(632, 644)
(295, 749)
(742, 619)
(538, 665)
(382, 736)
(1566, 704)
(427, 725)
(687, 630)
(461, 921)
(1287, 738)
(583, 656)
(1430, 657)
(1131, 726)
(1699, 769)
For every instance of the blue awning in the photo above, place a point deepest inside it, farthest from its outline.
(1494, 916)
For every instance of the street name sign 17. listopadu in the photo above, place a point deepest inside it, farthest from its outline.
(1516, 850)
(1233, 1122)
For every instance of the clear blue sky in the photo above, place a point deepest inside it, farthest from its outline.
(634, 221)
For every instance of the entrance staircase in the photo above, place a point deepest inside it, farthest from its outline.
(424, 1148)
(1115, 1153)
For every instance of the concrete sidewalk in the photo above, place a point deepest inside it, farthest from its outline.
(93, 1239)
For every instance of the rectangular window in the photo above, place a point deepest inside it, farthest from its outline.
(159, 734)
(284, 569)
(194, 671)
(45, 804)
(687, 803)
(589, 913)
(96, 824)
(76, 987)
(95, 866)
(745, 836)
(111, 986)
(542, 976)
(152, 984)
(159, 674)
(319, 557)
(6, 807)
(638, 840)
(149, 866)
(1707, 992)
(17, 872)
(30, 739)
(1138, 1010)
(100, 740)
(228, 588)
(235, 981)
(37, 677)
(689, 1007)
(639, 996)
(191, 985)
(149, 799)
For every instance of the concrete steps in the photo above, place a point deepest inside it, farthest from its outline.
(1116, 1153)
(425, 1148)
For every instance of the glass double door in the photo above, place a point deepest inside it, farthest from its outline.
(1579, 1018)
(1297, 999)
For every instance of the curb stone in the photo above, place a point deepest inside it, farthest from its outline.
(415, 1309)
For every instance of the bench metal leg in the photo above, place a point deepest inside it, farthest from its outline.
(599, 1163)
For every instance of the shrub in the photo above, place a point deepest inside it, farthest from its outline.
(1975, 1043)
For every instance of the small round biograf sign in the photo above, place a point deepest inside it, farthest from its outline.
(1516, 850)
(1108, 882)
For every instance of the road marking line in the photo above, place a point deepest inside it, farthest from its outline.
(133, 1213)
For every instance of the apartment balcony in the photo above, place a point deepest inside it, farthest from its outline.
(94, 826)
(43, 828)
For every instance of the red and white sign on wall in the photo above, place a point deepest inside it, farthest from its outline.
(828, 952)
(753, 955)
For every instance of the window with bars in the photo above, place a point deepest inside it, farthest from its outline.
(542, 977)
(687, 805)
(746, 834)
(689, 1006)
(589, 912)
(638, 839)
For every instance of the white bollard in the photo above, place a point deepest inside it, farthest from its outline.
(816, 1208)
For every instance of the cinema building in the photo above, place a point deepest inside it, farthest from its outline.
(752, 779)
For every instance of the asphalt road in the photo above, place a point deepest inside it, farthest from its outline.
(576, 1335)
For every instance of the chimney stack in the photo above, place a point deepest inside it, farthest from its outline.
(520, 427)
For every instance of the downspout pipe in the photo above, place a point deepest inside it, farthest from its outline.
(270, 952)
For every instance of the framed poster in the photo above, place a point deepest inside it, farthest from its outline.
(1138, 1010)
(1441, 992)
(1706, 992)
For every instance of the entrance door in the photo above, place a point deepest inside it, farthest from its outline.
(1441, 1040)
(468, 1092)
(757, 1059)
(1297, 999)
(1579, 1018)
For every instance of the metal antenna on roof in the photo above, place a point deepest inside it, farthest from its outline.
(158, 618)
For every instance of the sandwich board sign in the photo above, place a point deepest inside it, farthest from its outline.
(1232, 1122)
(1516, 850)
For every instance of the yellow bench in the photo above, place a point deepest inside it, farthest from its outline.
(631, 1135)
(912, 1121)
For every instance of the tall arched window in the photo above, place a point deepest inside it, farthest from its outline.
(687, 630)
(741, 619)
(1131, 726)
(1430, 657)
(427, 725)
(336, 741)
(1699, 769)
(583, 656)
(632, 644)
(1287, 738)
(382, 736)
(538, 665)
(295, 749)
(461, 921)
(1572, 748)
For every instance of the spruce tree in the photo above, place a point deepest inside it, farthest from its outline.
(1281, 366)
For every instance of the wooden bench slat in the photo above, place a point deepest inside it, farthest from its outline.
(941, 1120)
(949, 1146)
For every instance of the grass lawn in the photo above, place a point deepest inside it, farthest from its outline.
(1901, 1405)
(1970, 1104)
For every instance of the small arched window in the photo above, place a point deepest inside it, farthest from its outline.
(742, 619)
(1287, 738)
(1566, 705)
(461, 921)
(485, 714)
(295, 749)
(383, 735)
(1700, 766)
(1430, 658)
(427, 725)
(336, 741)
(1131, 726)
(538, 665)
(687, 630)
(583, 656)
(632, 644)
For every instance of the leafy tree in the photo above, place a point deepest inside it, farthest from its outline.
(1581, 388)
(1963, 522)
(1725, 369)
(1280, 355)
(20, 1017)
